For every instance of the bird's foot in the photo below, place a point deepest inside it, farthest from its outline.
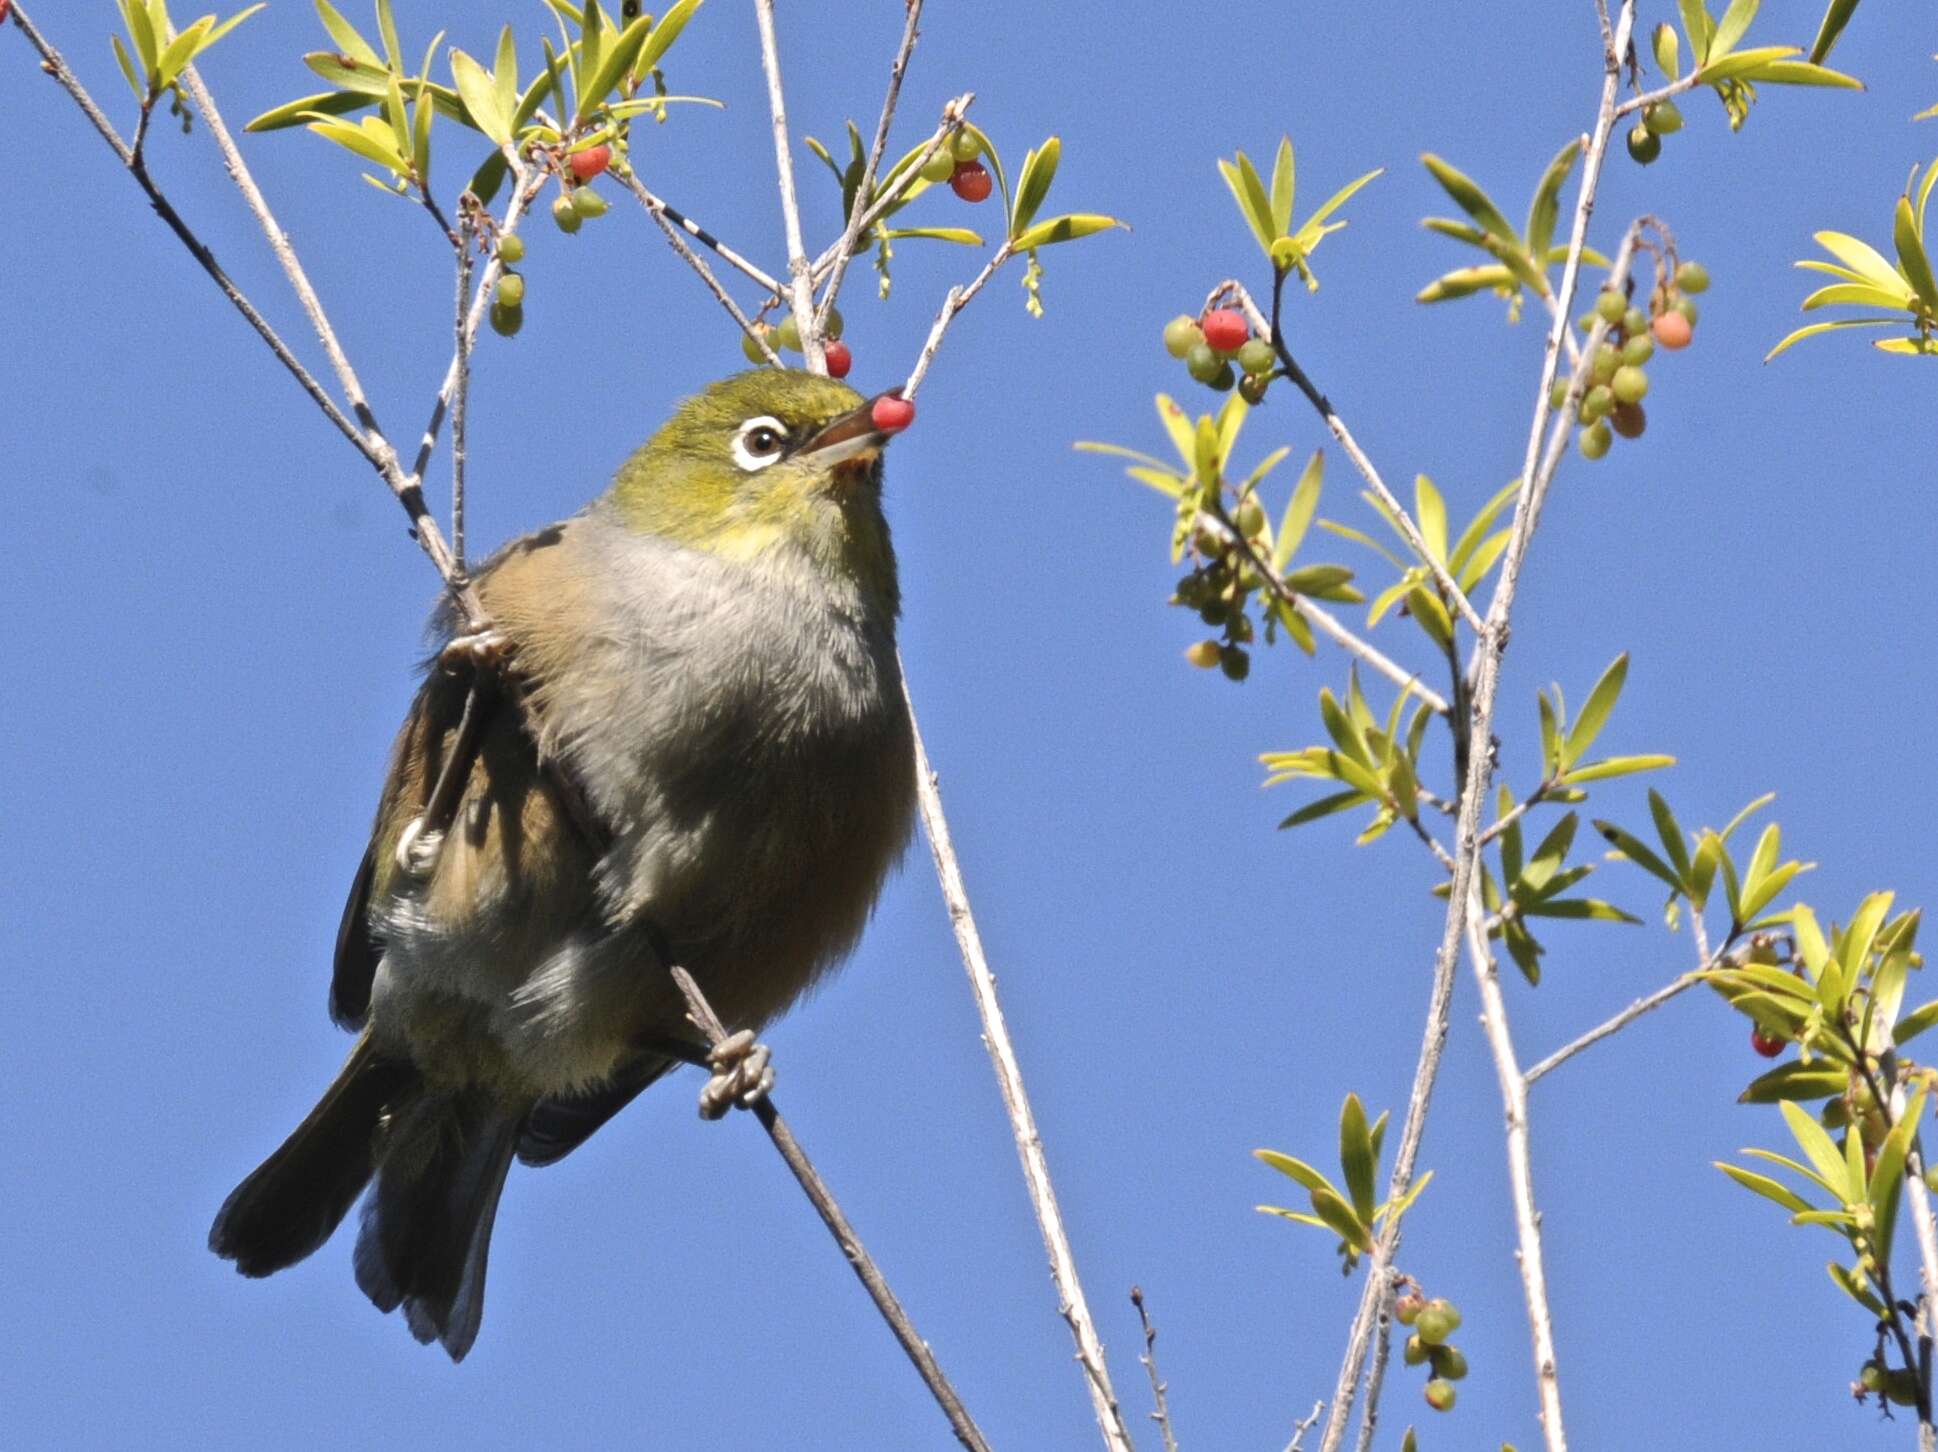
(482, 650)
(743, 1074)
(417, 849)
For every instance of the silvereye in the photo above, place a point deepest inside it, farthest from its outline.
(707, 654)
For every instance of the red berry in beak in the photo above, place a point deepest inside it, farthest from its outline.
(891, 414)
(589, 163)
(840, 360)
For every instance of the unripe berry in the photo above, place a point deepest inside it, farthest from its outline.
(1662, 118)
(1201, 363)
(1252, 387)
(1628, 420)
(1598, 402)
(511, 249)
(1630, 384)
(1236, 662)
(1438, 1320)
(1250, 516)
(565, 215)
(1692, 277)
(1638, 348)
(1644, 145)
(506, 321)
(939, 167)
(1449, 1363)
(588, 203)
(1602, 367)
(1225, 330)
(1414, 1353)
(1672, 331)
(970, 181)
(1406, 1310)
(963, 146)
(788, 334)
(1558, 394)
(1255, 355)
(1440, 1395)
(1768, 1045)
(1610, 305)
(1205, 654)
(1595, 440)
(587, 164)
(1224, 378)
(1635, 321)
(751, 348)
(1687, 308)
(839, 359)
(510, 291)
(1181, 335)
(836, 324)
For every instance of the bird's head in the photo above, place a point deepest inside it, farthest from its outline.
(771, 460)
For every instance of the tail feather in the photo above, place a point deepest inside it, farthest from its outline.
(426, 1232)
(296, 1198)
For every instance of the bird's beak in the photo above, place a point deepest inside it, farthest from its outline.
(861, 433)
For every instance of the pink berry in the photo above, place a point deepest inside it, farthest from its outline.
(589, 163)
(840, 360)
(891, 413)
(1225, 330)
(971, 181)
(1672, 331)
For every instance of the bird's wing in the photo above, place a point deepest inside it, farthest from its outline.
(559, 1125)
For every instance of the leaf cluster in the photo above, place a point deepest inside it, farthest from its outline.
(1351, 1214)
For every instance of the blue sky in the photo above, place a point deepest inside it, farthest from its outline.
(214, 614)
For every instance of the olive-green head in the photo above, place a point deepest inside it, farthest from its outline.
(770, 459)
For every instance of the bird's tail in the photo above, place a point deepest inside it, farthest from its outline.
(296, 1197)
(426, 1230)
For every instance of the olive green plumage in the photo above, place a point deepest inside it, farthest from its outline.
(708, 651)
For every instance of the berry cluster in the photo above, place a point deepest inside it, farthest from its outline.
(1645, 137)
(1617, 383)
(958, 162)
(1210, 345)
(508, 297)
(1220, 589)
(576, 202)
(786, 336)
(1432, 1322)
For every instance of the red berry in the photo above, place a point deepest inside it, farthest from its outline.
(5, 6)
(1765, 1044)
(1225, 330)
(1672, 331)
(589, 163)
(971, 181)
(891, 413)
(840, 360)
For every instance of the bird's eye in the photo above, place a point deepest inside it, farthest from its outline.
(759, 442)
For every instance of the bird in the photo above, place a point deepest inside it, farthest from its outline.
(707, 763)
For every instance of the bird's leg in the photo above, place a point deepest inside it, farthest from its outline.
(480, 650)
(743, 1074)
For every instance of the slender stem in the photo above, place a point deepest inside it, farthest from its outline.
(1305, 1424)
(1661, 93)
(1536, 474)
(1321, 619)
(1646, 1004)
(851, 234)
(955, 302)
(661, 214)
(1022, 1120)
(462, 353)
(700, 234)
(1449, 587)
(1515, 813)
(952, 114)
(1162, 1416)
(800, 282)
(1382, 1348)
(852, 1250)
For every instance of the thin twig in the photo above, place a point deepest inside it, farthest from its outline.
(659, 212)
(1449, 587)
(957, 299)
(1382, 1348)
(1016, 1102)
(1162, 1416)
(952, 114)
(462, 352)
(1305, 1424)
(1320, 618)
(800, 282)
(1661, 93)
(658, 207)
(1622, 1020)
(852, 1250)
(1491, 646)
(1515, 813)
(851, 234)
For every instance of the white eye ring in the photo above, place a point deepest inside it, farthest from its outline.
(759, 442)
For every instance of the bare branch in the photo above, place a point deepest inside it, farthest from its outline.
(1382, 1348)
(659, 212)
(658, 208)
(1646, 1004)
(851, 234)
(955, 302)
(462, 353)
(1515, 813)
(852, 1250)
(1016, 1102)
(952, 114)
(1162, 1416)
(800, 282)
(1304, 1425)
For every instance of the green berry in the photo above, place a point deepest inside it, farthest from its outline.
(939, 167)
(1692, 277)
(588, 203)
(1635, 321)
(1639, 347)
(1630, 384)
(1438, 1320)
(1256, 356)
(1205, 654)
(1252, 387)
(566, 215)
(1610, 306)
(1181, 335)
(1224, 378)
(836, 323)
(1662, 118)
(1213, 612)
(1644, 146)
(510, 291)
(1629, 420)
(1250, 517)
(1558, 395)
(506, 321)
(1586, 322)
(1236, 662)
(1406, 1310)
(1595, 440)
(1606, 360)
(964, 146)
(751, 348)
(1598, 402)
(1687, 308)
(1414, 1353)
(1448, 1362)
(788, 334)
(511, 249)
(1201, 363)
(1440, 1395)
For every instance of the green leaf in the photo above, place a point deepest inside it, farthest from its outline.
(962, 236)
(1822, 1152)
(387, 27)
(346, 37)
(661, 38)
(1299, 510)
(128, 69)
(1550, 854)
(1465, 282)
(1578, 908)
(295, 113)
(1613, 766)
(1795, 1081)
(1836, 17)
(1744, 65)
(1033, 185)
(1430, 515)
(1853, 1286)
(613, 62)
(1668, 50)
(141, 30)
(1891, 1155)
(1765, 1186)
(1730, 28)
(1802, 73)
(1066, 228)
(1341, 727)
(1911, 254)
(1697, 25)
(1324, 807)
(480, 97)
(1242, 178)
(1472, 200)
(1915, 1022)
(1632, 848)
(1815, 328)
(1297, 1169)
(1595, 711)
(1356, 1156)
(1340, 1219)
(1547, 199)
(1282, 185)
(1789, 1164)
(1400, 1206)
(1314, 226)
(1674, 843)
(181, 50)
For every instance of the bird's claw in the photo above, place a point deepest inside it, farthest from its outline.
(480, 650)
(743, 1074)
